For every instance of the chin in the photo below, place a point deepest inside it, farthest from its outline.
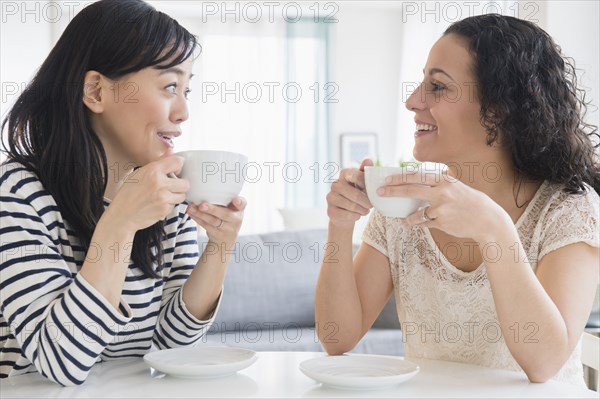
(143, 161)
(168, 153)
(426, 156)
(157, 156)
(420, 157)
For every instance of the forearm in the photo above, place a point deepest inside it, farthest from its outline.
(202, 289)
(107, 259)
(337, 304)
(531, 324)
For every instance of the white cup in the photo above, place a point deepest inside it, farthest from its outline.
(390, 206)
(215, 176)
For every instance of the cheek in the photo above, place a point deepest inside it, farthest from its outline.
(446, 116)
(144, 110)
(153, 108)
(457, 114)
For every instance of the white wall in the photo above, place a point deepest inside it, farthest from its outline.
(575, 27)
(366, 60)
(26, 39)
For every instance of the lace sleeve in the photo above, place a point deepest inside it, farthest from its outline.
(575, 219)
(374, 233)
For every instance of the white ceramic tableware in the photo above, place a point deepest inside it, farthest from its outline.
(359, 371)
(389, 206)
(200, 362)
(214, 176)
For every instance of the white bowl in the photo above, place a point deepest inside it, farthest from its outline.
(215, 176)
(389, 206)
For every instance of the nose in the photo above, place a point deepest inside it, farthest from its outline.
(415, 101)
(179, 110)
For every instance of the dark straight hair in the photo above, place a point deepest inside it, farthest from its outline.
(530, 101)
(49, 130)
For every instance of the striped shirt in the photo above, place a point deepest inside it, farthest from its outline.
(52, 320)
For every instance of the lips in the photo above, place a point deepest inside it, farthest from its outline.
(167, 138)
(424, 128)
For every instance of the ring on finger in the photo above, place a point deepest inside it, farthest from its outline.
(424, 216)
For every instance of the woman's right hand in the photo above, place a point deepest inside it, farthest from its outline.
(347, 201)
(148, 194)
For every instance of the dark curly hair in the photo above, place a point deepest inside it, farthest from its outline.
(530, 102)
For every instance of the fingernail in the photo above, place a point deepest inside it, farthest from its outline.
(388, 179)
(204, 207)
(237, 201)
(381, 191)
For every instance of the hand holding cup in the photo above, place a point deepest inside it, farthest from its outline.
(216, 178)
(347, 200)
(391, 206)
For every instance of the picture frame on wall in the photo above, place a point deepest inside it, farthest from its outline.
(355, 147)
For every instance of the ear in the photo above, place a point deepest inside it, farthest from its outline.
(493, 131)
(92, 91)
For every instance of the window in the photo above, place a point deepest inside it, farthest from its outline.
(308, 119)
(262, 89)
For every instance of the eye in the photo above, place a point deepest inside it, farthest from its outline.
(172, 88)
(436, 86)
(187, 94)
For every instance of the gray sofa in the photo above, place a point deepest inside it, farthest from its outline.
(268, 302)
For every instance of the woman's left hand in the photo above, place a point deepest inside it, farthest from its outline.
(222, 224)
(454, 207)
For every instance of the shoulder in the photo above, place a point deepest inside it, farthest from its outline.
(566, 218)
(19, 183)
(14, 175)
(557, 202)
(386, 234)
(26, 206)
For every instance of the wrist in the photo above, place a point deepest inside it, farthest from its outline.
(224, 247)
(504, 230)
(341, 231)
(109, 228)
(116, 221)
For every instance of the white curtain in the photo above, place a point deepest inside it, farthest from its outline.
(236, 105)
(261, 90)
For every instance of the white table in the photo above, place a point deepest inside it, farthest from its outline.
(276, 374)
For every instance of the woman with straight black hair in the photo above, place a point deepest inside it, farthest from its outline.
(99, 254)
(501, 268)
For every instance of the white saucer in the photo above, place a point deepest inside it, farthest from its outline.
(359, 371)
(201, 362)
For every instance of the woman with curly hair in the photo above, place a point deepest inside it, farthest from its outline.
(501, 268)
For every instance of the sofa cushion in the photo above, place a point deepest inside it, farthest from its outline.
(388, 318)
(376, 341)
(271, 280)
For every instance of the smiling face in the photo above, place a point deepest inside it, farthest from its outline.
(446, 108)
(138, 116)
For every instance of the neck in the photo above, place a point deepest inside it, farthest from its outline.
(117, 173)
(119, 167)
(497, 178)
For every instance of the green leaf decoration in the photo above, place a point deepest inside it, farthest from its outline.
(412, 164)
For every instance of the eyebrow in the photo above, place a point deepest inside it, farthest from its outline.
(438, 70)
(174, 70)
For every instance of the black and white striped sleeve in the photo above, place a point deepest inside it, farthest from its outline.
(176, 325)
(60, 323)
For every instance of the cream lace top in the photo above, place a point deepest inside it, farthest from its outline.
(449, 314)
